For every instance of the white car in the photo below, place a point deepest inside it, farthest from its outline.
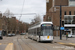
(13, 34)
(70, 35)
(9, 34)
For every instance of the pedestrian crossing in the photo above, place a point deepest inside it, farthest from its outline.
(0, 43)
(8, 46)
(3, 43)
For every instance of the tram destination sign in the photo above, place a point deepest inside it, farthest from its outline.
(46, 24)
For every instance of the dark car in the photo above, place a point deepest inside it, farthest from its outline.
(22, 33)
(1, 37)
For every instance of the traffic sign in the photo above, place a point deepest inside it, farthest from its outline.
(61, 28)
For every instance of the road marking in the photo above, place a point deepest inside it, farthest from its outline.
(9, 46)
(72, 43)
(61, 43)
(0, 43)
(66, 43)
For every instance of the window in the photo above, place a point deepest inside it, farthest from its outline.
(74, 12)
(71, 2)
(62, 23)
(69, 12)
(49, 18)
(69, 20)
(65, 20)
(47, 1)
(65, 13)
(73, 22)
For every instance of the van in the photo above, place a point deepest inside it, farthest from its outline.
(1, 37)
(70, 35)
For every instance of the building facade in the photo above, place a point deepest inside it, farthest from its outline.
(67, 12)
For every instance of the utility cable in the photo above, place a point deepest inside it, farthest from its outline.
(22, 10)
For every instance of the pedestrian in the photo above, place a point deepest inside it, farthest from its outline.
(66, 35)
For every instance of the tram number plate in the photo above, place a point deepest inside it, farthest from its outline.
(47, 37)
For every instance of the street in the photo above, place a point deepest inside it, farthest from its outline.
(21, 42)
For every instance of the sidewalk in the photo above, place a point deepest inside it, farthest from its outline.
(68, 42)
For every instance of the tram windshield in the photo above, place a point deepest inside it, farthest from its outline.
(47, 30)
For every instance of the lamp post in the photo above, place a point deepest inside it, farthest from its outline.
(60, 21)
(60, 24)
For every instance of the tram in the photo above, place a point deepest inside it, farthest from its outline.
(42, 31)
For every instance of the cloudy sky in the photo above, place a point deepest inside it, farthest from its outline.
(30, 6)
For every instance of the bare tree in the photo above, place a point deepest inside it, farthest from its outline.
(36, 19)
(7, 13)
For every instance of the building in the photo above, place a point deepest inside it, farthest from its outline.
(68, 15)
(0, 21)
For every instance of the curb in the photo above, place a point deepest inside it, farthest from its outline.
(66, 44)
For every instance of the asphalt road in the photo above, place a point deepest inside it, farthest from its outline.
(20, 42)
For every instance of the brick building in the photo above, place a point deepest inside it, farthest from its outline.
(0, 21)
(68, 14)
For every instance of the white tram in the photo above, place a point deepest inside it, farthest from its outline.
(42, 31)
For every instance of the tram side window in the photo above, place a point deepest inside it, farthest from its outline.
(38, 31)
(34, 31)
(31, 32)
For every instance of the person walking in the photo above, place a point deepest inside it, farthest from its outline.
(66, 35)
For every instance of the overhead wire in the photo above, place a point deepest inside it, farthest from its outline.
(22, 10)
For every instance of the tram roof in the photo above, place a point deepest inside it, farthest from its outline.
(46, 22)
(39, 24)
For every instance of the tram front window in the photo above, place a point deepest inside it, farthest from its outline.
(47, 31)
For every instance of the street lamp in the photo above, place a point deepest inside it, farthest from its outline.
(60, 21)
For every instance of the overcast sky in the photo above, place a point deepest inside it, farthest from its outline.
(30, 6)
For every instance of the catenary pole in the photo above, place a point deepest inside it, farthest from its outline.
(60, 20)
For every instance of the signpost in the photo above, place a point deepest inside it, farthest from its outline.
(62, 28)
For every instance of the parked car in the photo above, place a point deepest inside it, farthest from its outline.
(22, 33)
(1, 37)
(70, 35)
(13, 34)
(9, 34)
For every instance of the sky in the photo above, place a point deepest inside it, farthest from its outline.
(30, 6)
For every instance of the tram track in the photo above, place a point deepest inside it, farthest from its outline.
(23, 46)
(42, 46)
(19, 44)
(26, 43)
(32, 46)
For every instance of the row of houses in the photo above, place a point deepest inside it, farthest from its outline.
(12, 25)
(67, 15)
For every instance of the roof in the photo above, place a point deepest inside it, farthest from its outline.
(46, 22)
(38, 25)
